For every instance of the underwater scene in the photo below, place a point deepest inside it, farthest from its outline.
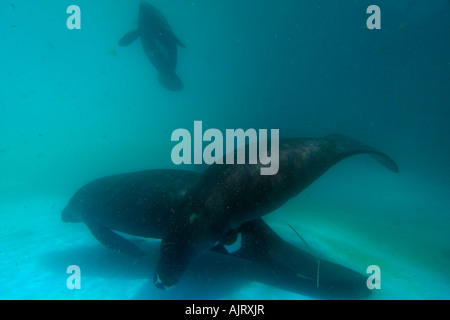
(224, 149)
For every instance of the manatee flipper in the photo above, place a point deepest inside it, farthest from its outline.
(181, 44)
(129, 38)
(112, 240)
(346, 146)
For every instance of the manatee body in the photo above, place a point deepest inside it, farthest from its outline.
(137, 203)
(227, 196)
(159, 43)
(142, 203)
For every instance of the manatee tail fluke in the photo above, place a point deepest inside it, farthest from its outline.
(170, 81)
(346, 146)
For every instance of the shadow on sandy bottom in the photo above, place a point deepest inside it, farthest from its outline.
(212, 276)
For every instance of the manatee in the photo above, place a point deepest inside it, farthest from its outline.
(159, 43)
(142, 203)
(229, 195)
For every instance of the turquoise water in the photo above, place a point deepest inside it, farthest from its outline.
(75, 106)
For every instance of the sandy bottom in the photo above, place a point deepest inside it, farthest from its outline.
(399, 224)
